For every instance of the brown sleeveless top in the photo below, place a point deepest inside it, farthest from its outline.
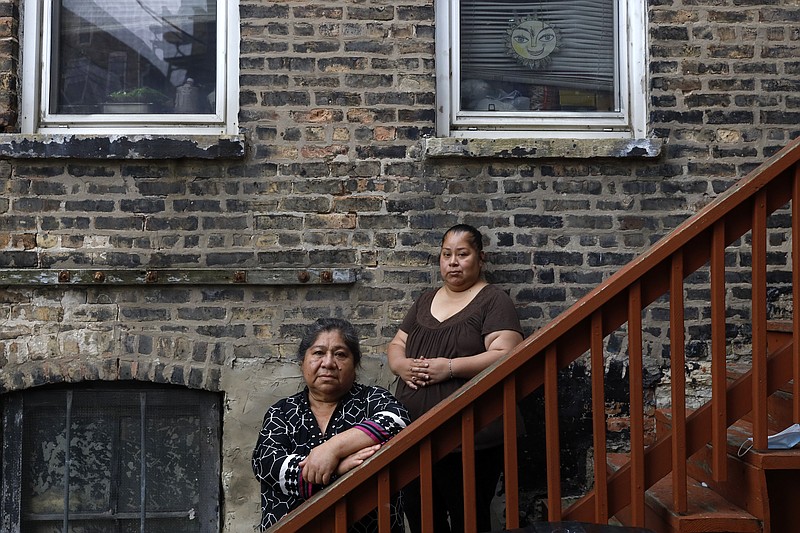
(460, 335)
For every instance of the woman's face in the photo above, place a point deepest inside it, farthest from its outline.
(329, 366)
(459, 262)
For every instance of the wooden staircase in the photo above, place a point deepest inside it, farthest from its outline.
(694, 450)
(761, 493)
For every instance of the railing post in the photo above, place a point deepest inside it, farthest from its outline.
(759, 317)
(510, 459)
(426, 484)
(677, 368)
(468, 469)
(599, 420)
(796, 293)
(719, 382)
(552, 439)
(636, 376)
(340, 515)
(384, 502)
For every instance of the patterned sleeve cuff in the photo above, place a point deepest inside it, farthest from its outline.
(291, 475)
(306, 489)
(382, 427)
(373, 431)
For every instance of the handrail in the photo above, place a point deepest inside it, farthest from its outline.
(615, 303)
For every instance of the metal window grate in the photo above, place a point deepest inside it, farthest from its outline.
(138, 460)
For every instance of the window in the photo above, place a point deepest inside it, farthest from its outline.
(150, 66)
(138, 459)
(541, 68)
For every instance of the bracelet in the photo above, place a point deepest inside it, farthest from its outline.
(450, 366)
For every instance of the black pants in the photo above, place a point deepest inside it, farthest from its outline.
(448, 492)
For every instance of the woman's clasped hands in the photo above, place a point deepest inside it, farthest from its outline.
(422, 371)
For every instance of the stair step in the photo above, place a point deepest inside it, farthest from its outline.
(779, 332)
(707, 511)
(760, 491)
(737, 435)
(781, 326)
(765, 459)
(749, 476)
(756, 482)
(780, 413)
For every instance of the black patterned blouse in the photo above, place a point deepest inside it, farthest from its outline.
(290, 431)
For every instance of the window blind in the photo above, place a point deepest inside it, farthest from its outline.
(584, 57)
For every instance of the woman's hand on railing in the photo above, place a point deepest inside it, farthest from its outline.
(356, 458)
(320, 464)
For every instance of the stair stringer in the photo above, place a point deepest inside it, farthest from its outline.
(658, 456)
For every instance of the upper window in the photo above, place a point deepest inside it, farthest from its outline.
(111, 459)
(150, 66)
(542, 68)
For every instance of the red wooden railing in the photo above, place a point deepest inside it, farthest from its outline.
(617, 303)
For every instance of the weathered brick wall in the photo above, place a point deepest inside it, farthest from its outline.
(724, 80)
(9, 60)
(335, 97)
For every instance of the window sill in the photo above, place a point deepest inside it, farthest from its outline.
(437, 147)
(56, 146)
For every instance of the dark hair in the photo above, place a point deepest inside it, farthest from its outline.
(348, 331)
(475, 237)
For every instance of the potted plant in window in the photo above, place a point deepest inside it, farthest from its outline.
(138, 100)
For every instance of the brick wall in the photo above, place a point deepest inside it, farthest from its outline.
(335, 97)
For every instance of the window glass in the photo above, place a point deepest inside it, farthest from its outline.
(133, 57)
(519, 55)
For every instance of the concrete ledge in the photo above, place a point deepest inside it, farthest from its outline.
(540, 148)
(55, 146)
(100, 276)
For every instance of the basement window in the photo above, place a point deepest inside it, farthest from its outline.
(111, 459)
(132, 66)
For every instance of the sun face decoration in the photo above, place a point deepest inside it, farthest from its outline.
(532, 42)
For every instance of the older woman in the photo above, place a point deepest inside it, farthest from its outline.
(450, 334)
(333, 425)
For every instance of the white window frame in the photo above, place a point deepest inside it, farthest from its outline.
(629, 123)
(36, 60)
